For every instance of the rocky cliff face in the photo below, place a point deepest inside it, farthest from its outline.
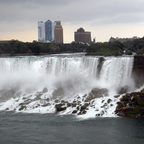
(138, 70)
(131, 105)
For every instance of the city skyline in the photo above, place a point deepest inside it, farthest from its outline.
(104, 19)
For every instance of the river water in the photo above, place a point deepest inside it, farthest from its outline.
(20, 128)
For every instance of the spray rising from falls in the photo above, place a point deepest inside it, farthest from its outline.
(78, 84)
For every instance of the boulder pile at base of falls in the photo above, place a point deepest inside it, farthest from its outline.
(78, 105)
(131, 105)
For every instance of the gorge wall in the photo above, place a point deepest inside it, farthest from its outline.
(138, 70)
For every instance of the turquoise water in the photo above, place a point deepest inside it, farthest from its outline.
(20, 128)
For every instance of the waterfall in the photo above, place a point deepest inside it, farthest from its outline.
(116, 72)
(75, 74)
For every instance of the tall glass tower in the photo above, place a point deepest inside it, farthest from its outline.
(48, 31)
(41, 31)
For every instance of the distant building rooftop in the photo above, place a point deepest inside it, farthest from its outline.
(80, 30)
(122, 40)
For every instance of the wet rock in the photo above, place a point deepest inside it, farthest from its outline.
(82, 112)
(69, 104)
(7, 109)
(47, 99)
(104, 105)
(45, 105)
(102, 113)
(85, 95)
(109, 100)
(58, 92)
(45, 90)
(57, 101)
(123, 90)
(79, 102)
(97, 93)
(74, 112)
(103, 101)
(38, 96)
(91, 97)
(92, 102)
(78, 108)
(27, 101)
(63, 102)
(74, 104)
(37, 106)
(59, 107)
(22, 107)
(84, 108)
(74, 101)
(104, 91)
(116, 96)
(98, 114)
(79, 113)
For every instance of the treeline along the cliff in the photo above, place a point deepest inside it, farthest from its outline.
(106, 49)
(15, 47)
(136, 46)
(115, 48)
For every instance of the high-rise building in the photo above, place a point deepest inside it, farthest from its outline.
(48, 31)
(53, 26)
(82, 36)
(58, 32)
(41, 31)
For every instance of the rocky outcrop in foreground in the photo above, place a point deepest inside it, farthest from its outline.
(131, 105)
(81, 106)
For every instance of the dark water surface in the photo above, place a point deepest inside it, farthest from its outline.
(19, 128)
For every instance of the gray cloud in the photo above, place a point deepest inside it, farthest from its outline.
(38, 2)
(79, 11)
(16, 15)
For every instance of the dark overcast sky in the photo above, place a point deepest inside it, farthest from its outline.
(104, 18)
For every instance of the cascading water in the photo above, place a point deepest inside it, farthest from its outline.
(37, 84)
